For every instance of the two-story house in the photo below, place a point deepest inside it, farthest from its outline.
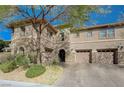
(97, 44)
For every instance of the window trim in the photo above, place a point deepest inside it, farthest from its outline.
(106, 33)
(91, 34)
(108, 37)
(62, 36)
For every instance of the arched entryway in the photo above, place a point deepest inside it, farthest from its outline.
(61, 55)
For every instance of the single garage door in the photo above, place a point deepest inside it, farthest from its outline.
(107, 56)
(83, 56)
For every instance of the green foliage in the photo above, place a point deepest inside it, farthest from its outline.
(8, 66)
(63, 26)
(33, 57)
(22, 60)
(78, 14)
(12, 63)
(35, 70)
(10, 57)
(6, 10)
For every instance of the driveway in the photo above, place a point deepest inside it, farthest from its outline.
(92, 75)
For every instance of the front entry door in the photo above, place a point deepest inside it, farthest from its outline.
(62, 55)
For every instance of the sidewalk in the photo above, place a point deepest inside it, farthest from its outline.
(9, 83)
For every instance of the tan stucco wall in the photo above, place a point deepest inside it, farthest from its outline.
(94, 43)
(82, 42)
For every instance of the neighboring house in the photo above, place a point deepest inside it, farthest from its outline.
(101, 44)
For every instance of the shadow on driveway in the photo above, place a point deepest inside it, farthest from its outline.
(92, 75)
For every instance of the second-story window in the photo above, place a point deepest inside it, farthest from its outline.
(89, 35)
(77, 34)
(22, 33)
(111, 33)
(62, 36)
(22, 28)
(107, 33)
(103, 34)
(51, 34)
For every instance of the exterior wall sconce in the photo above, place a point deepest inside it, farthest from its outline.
(120, 46)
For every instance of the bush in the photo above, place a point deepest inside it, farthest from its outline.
(10, 57)
(8, 66)
(33, 58)
(22, 60)
(35, 70)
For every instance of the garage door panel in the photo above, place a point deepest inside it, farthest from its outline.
(82, 57)
(105, 57)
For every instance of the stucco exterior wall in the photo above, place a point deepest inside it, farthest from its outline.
(82, 42)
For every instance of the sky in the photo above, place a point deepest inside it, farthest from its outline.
(95, 19)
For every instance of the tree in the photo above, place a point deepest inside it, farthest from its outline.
(5, 11)
(71, 15)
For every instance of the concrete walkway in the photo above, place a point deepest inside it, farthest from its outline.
(92, 75)
(8, 83)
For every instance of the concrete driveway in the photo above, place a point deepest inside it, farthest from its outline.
(92, 75)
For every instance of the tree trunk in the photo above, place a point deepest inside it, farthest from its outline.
(39, 56)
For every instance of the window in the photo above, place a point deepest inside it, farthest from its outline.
(51, 34)
(62, 36)
(89, 34)
(22, 28)
(107, 33)
(111, 33)
(77, 34)
(103, 34)
(22, 32)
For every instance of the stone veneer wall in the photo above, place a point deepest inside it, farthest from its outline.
(121, 57)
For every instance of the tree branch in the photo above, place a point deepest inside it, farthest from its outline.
(49, 9)
(52, 20)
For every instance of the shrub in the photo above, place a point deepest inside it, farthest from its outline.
(8, 66)
(10, 57)
(22, 60)
(32, 57)
(35, 70)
